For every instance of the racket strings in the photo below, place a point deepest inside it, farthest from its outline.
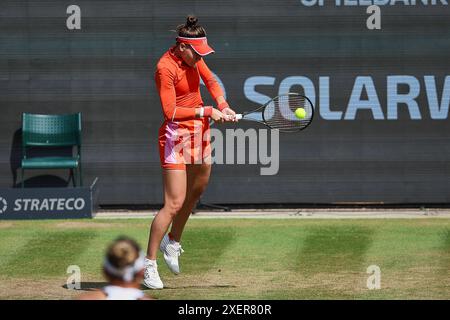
(280, 113)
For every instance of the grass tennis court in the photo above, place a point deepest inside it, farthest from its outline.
(240, 258)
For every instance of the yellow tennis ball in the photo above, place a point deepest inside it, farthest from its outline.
(300, 113)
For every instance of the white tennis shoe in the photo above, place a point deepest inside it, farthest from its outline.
(151, 275)
(171, 250)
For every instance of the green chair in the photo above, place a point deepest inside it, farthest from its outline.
(40, 130)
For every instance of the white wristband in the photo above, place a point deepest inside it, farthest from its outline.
(202, 111)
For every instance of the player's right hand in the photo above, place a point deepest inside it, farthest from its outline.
(230, 115)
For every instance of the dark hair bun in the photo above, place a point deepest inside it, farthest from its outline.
(191, 29)
(191, 21)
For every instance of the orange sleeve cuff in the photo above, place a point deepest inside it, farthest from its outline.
(207, 111)
(223, 105)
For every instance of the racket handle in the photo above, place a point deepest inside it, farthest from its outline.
(238, 116)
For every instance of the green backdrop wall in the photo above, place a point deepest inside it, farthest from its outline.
(381, 132)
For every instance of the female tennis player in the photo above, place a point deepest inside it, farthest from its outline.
(184, 141)
(123, 267)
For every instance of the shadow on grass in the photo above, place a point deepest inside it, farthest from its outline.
(334, 249)
(89, 286)
(199, 286)
(49, 253)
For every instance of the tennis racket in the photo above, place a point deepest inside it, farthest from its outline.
(280, 113)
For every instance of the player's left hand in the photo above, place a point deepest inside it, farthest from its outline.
(230, 115)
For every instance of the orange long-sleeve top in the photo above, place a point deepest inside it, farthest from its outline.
(179, 86)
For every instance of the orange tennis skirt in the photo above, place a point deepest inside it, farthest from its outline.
(184, 142)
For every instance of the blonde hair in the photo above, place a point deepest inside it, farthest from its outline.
(122, 252)
(122, 259)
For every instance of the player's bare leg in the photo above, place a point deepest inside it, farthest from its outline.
(174, 196)
(197, 180)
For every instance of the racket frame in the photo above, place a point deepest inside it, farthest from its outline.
(241, 116)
